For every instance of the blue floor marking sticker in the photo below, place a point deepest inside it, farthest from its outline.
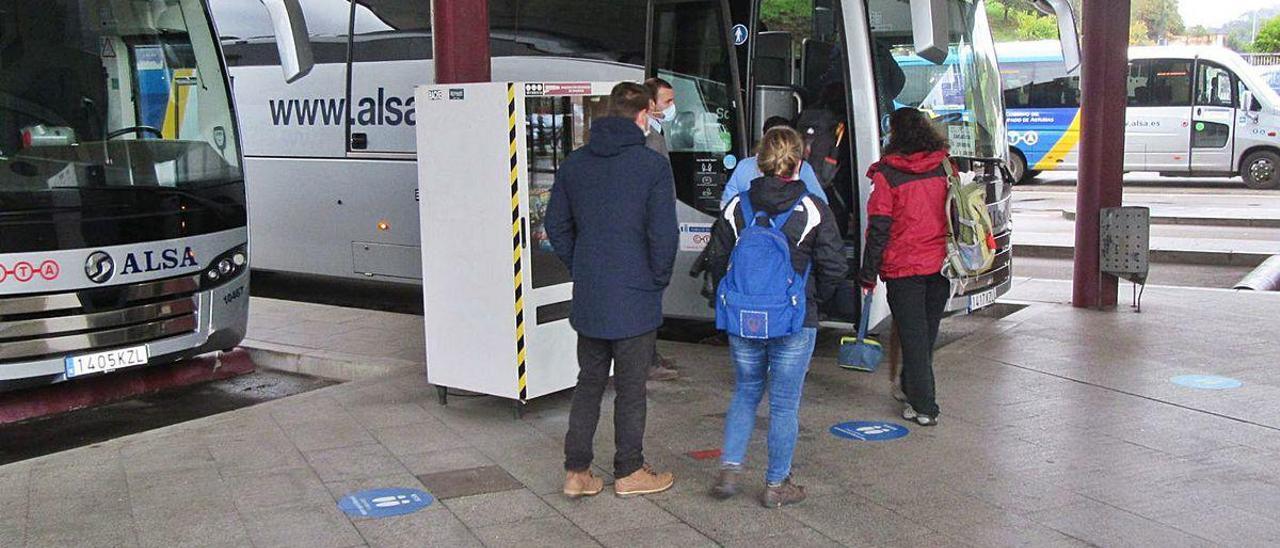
(383, 503)
(1206, 382)
(869, 431)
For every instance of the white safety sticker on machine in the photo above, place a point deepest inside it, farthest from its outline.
(962, 141)
(694, 236)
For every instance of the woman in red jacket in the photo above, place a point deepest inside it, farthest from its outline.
(906, 245)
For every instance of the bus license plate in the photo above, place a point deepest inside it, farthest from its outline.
(102, 362)
(982, 300)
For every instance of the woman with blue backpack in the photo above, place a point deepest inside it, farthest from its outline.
(781, 256)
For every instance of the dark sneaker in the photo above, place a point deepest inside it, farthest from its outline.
(781, 495)
(663, 374)
(726, 485)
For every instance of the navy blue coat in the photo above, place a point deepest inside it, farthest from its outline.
(612, 220)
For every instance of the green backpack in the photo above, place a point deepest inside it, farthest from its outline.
(971, 242)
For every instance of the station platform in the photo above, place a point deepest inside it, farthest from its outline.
(1059, 427)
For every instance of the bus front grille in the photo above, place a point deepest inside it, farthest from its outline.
(60, 324)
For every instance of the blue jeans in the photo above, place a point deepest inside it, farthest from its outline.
(782, 363)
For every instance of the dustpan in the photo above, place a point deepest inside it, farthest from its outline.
(860, 353)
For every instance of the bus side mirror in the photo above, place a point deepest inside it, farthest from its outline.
(1067, 35)
(292, 39)
(931, 29)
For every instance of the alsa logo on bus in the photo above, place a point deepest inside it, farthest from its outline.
(151, 261)
(382, 110)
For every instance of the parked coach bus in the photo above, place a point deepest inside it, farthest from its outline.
(330, 161)
(1193, 111)
(122, 205)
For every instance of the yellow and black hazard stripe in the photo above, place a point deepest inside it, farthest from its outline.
(516, 229)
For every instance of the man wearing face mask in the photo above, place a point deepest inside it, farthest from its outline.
(662, 108)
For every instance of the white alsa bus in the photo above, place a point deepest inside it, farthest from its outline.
(1193, 111)
(332, 178)
(123, 239)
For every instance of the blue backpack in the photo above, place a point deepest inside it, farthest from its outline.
(761, 295)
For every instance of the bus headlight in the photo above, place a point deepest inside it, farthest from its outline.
(225, 267)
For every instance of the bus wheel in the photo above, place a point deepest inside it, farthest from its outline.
(1018, 168)
(1261, 170)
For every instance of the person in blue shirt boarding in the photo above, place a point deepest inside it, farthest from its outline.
(748, 170)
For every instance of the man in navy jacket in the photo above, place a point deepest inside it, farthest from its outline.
(612, 220)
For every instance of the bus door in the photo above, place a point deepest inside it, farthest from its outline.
(1213, 119)
(390, 49)
(1158, 117)
(389, 54)
(813, 93)
(690, 45)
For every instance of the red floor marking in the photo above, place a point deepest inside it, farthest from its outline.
(92, 391)
(706, 454)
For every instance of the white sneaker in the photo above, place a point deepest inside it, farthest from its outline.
(909, 413)
(926, 420)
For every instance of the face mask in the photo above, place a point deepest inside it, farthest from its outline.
(669, 113)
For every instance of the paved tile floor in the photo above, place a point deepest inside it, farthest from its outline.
(1060, 428)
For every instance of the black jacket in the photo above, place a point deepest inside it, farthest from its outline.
(813, 235)
(612, 220)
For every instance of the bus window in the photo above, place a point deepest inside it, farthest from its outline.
(391, 31)
(1040, 84)
(1159, 83)
(568, 28)
(248, 39)
(691, 53)
(1213, 86)
(962, 94)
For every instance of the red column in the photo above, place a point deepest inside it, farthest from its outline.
(460, 40)
(1105, 30)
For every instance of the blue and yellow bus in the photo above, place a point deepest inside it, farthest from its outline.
(1192, 111)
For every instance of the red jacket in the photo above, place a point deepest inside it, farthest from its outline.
(906, 216)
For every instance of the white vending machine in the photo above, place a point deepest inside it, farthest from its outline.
(496, 298)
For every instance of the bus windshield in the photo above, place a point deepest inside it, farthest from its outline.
(963, 94)
(111, 95)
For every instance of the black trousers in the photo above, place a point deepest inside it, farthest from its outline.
(630, 359)
(917, 303)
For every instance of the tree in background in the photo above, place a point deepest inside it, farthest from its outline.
(1154, 21)
(1161, 18)
(1139, 33)
(1268, 40)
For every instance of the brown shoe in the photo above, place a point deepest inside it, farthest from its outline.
(644, 482)
(663, 374)
(582, 484)
(726, 485)
(781, 495)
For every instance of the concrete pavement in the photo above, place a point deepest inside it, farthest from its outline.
(1060, 427)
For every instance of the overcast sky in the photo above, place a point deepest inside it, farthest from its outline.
(1212, 13)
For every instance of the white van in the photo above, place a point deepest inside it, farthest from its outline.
(1193, 111)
